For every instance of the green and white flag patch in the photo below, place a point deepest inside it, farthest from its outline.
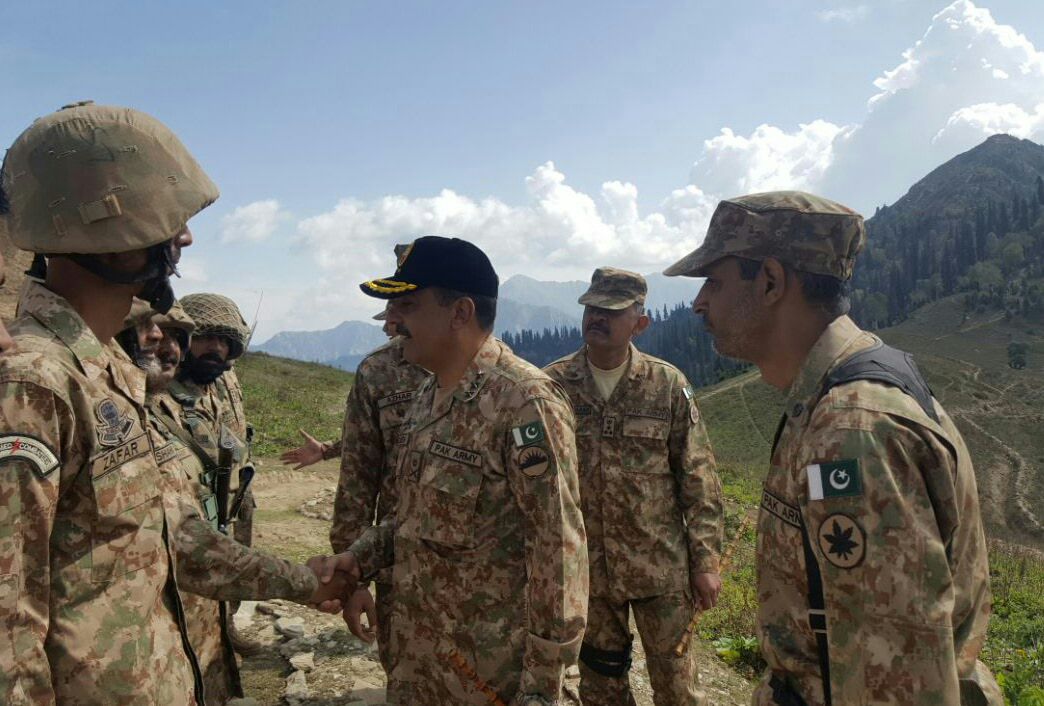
(834, 479)
(528, 434)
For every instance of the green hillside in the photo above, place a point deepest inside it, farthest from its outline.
(282, 395)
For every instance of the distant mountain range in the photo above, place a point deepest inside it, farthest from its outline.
(524, 303)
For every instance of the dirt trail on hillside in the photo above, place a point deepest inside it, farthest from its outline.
(341, 669)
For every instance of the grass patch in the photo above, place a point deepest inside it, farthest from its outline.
(1015, 641)
(281, 396)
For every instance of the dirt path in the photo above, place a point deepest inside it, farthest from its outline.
(345, 670)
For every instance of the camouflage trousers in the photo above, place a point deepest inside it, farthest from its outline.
(660, 620)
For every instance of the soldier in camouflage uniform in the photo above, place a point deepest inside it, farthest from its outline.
(209, 391)
(650, 495)
(385, 385)
(486, 537)
(155, 342)
(873, 584)
(89, 606)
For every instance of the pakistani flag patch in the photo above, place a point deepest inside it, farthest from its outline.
(528, 434)
(834, 479)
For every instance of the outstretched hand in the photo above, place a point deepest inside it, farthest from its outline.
(311, 452)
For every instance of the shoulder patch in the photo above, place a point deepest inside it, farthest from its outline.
(842, 541)
(30, 449)
(528, 434)
(834, 479)
(533, 461)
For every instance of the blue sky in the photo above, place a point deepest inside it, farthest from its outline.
(558, 135)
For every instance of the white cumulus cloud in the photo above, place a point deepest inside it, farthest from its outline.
(254, 222)
(560, 232)
(967, 77)
(769, 159)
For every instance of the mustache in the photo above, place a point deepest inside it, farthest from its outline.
(401, 330)
(597, 327)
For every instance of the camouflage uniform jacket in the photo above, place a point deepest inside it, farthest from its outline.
(385, 385)
(87, 598)
(648, 487)
(209, 409)
(209, 563)
(218, 404)
(489, 547)
(888, 499)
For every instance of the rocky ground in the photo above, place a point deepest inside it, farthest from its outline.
(310, 659)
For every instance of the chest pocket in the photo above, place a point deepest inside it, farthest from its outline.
(645, 435)
(449, 493)
(127, 534)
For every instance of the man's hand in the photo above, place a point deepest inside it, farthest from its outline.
(705, 590)
(361, 602)
(338, 577)
(311, 452)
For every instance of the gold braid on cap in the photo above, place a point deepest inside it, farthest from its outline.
(389, 286)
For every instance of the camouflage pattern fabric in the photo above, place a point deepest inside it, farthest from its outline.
(183, 476)
(87, 597)
(486, 537)
(100, 179)
(651, 500)
(207, 410)
(384, 388)
(888, 499)
(808, 232)
(675, 680)
(615, 289)
(650, 493)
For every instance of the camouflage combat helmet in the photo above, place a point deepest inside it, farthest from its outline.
(808, 232)
(217, 315)
(94, 179)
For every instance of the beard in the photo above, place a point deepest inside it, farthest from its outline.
(205, 369)
(735, 334)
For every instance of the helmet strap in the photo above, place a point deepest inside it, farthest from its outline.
(155, 275)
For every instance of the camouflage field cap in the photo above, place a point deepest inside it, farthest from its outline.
(140, 311)
(100, 179)
(615, 289)
(217, 315)
(176, 319)
(808, 232)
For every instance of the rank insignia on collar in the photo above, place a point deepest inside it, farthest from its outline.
(528, 434)
(115, 426)
(834, 479)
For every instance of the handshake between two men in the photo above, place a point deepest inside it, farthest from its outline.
(339, 592)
